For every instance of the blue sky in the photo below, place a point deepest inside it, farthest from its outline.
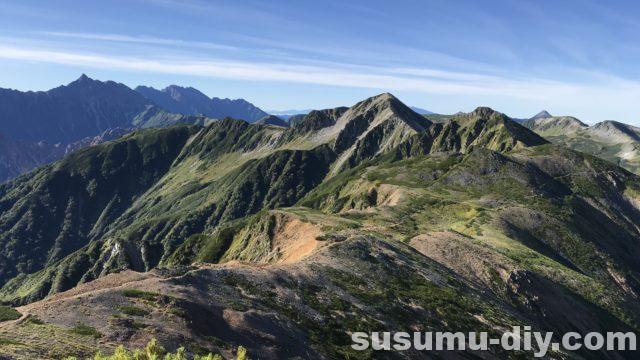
(519, 57)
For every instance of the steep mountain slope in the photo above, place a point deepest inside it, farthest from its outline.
(286, 240)
(609, 140)
(189, 101)
(54, 211)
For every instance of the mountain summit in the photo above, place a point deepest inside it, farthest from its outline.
(541, 115)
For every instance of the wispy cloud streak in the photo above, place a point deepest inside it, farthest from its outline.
(141, 40)
(599, 89)
(423, 80)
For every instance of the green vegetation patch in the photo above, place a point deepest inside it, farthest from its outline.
(5, 341)
(139, 294)
(133, 310)
(86, 330)
(8, 313)
(153, 350)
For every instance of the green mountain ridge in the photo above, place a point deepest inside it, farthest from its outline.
(352, 219)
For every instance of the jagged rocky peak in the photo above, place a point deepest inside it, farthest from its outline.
(485, 112)
(481, 112)
(87, 89)
(487, 115)
(83, 78)
(381, 101)
(371, 127)
(360, 118)
(384, 107)
(544, 114)
(177, 92)
(84, 82)
(491, 129)
(191, 101)
(174, 92)
(383, 97)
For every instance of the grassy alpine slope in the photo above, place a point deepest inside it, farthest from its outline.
(285, 240)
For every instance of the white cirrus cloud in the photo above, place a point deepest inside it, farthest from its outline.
(601, 89)
(140, 40)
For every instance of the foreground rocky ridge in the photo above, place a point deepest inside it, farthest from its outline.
(284, 240)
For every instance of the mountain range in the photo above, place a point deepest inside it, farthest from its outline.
(39, 127)
(189, 101)
(285, 240)
(610, 140)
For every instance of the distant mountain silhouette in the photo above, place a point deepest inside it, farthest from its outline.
(190, 101)
(85, 107)
(38, 127)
